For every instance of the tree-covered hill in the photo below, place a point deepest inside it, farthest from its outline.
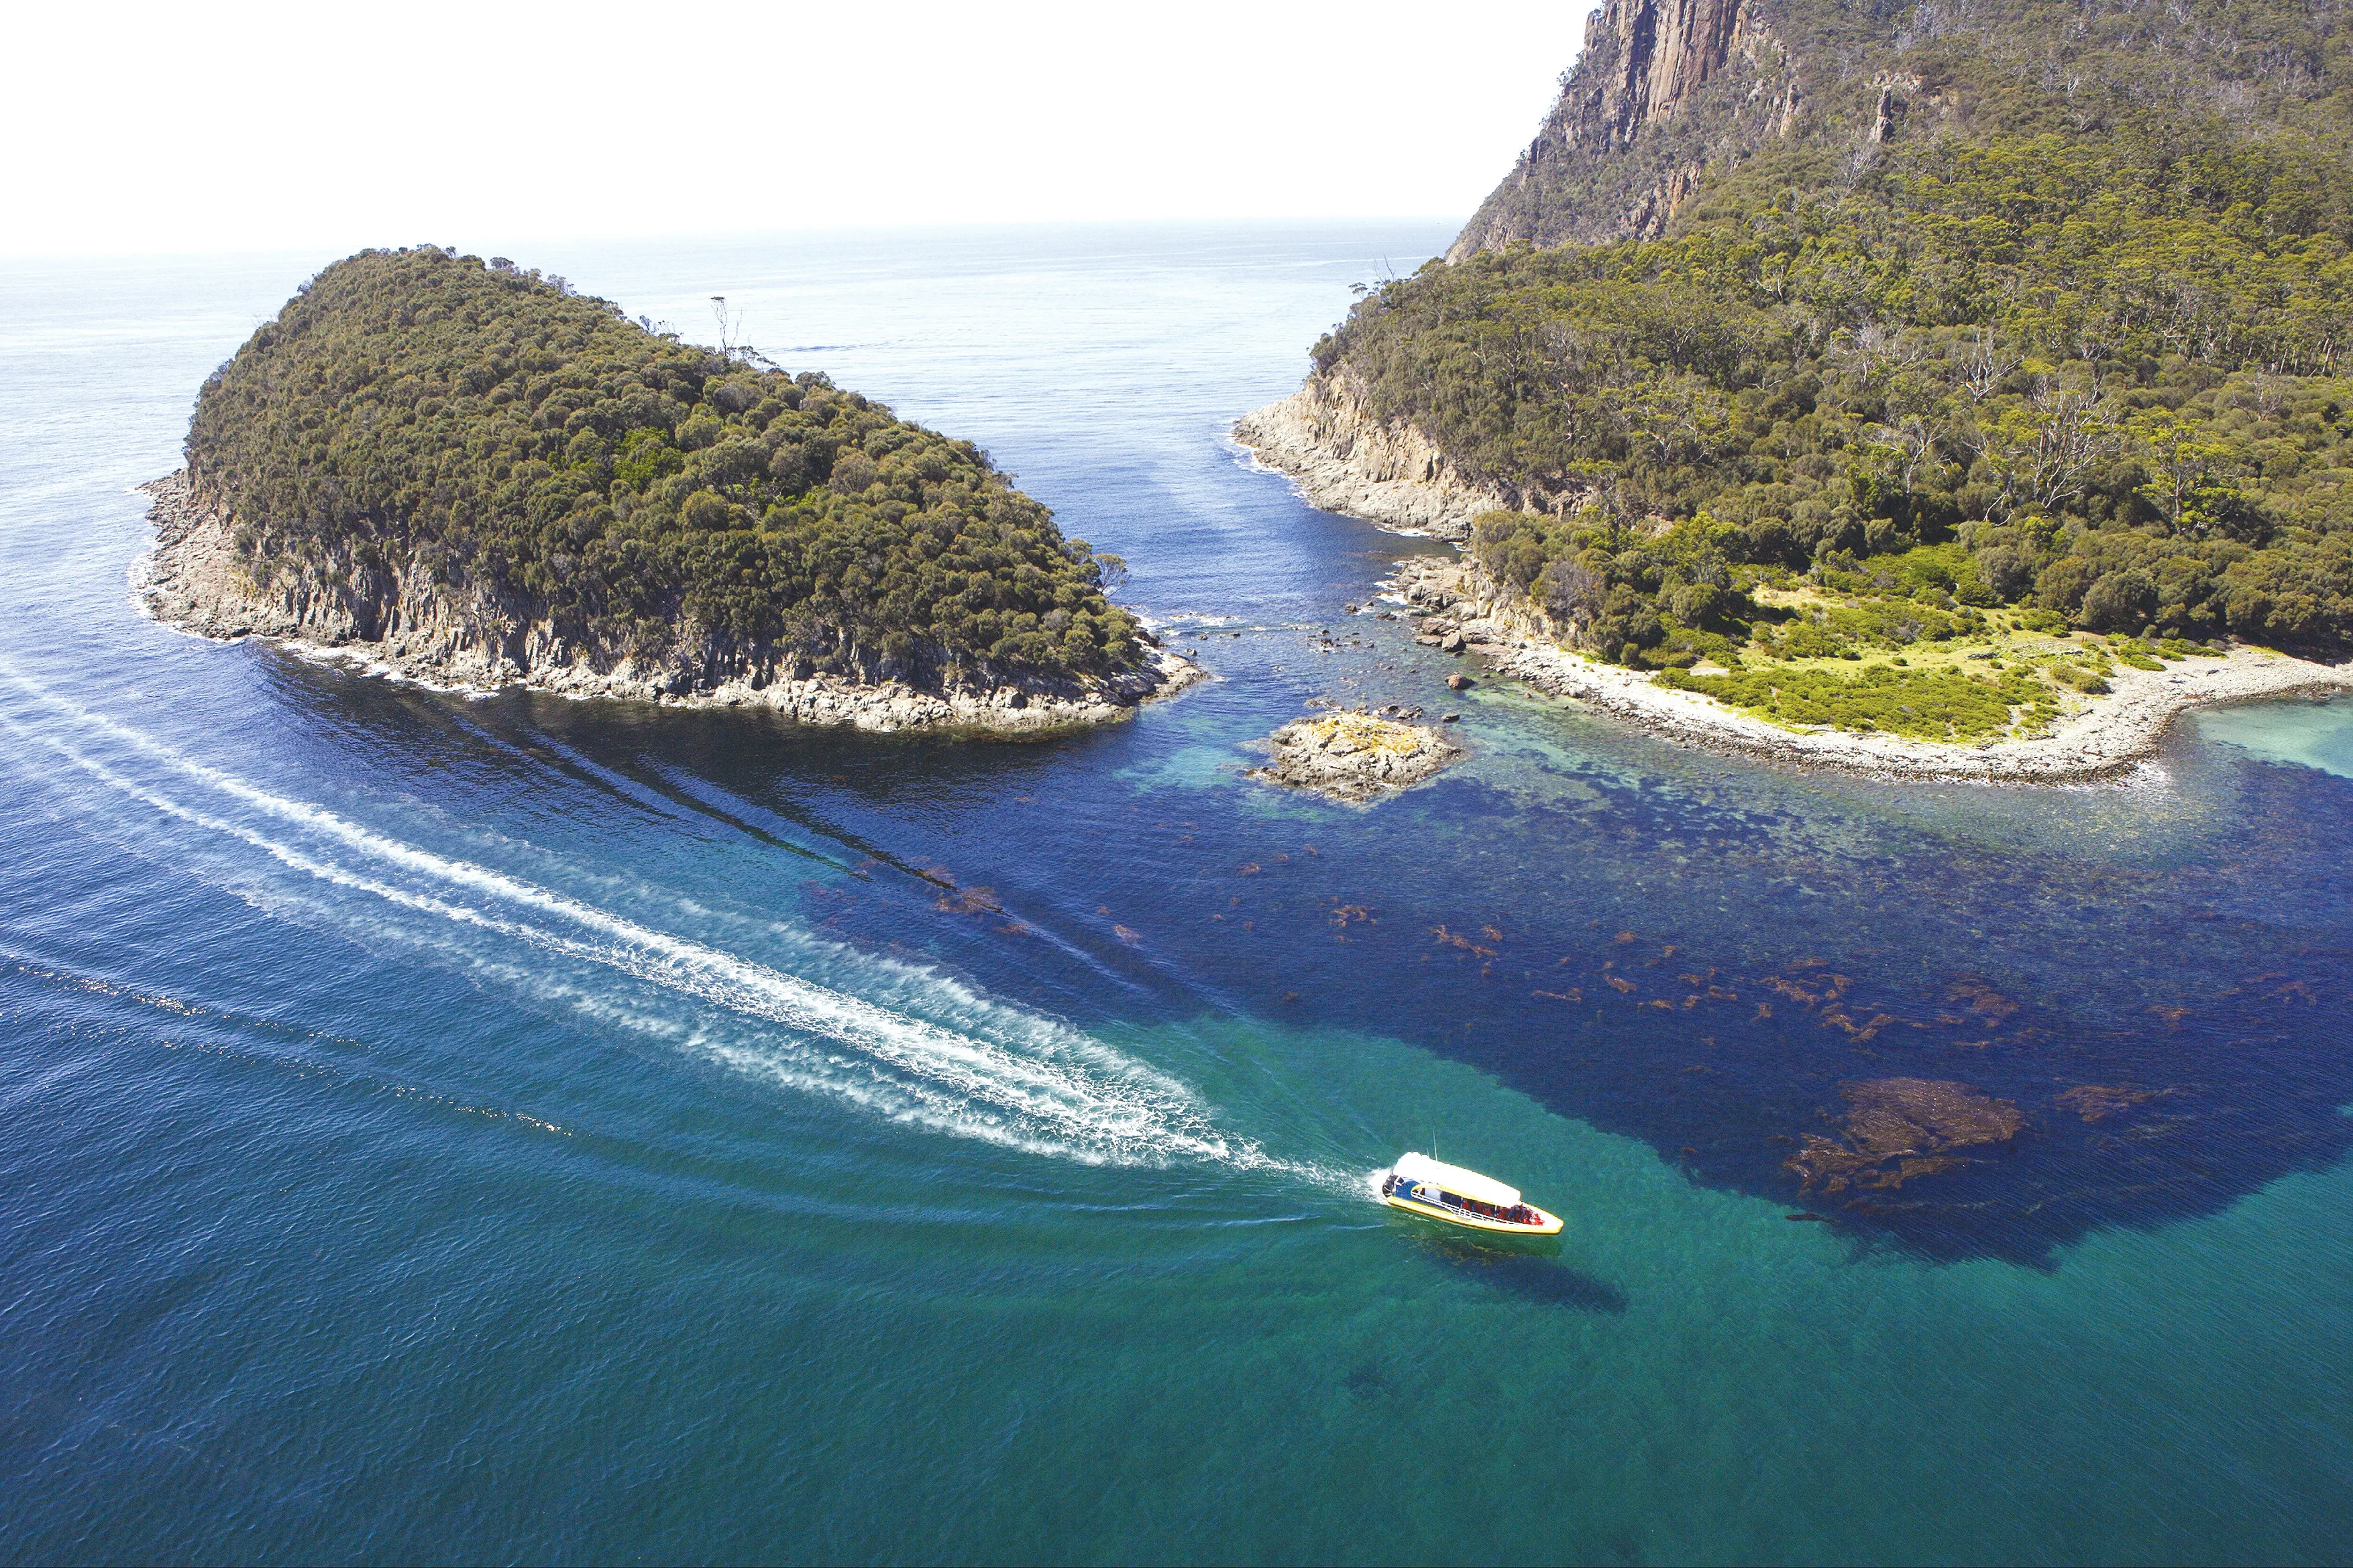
(2060, 293)
(422, 411)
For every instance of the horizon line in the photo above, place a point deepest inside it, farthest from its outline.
(273, 250)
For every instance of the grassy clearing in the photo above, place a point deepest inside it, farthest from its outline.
(2008, 680)
(1897, 650)
(1921, 704)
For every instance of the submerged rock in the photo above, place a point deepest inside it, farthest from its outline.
(1354, 755)
(2098, 1102)
(1898, 1128)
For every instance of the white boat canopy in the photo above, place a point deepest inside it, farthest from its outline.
(1454, 1179)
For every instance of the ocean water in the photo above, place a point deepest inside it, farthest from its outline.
(441, 1129)
(2312, 736)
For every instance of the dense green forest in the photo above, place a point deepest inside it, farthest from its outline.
(509, 436)
(2075, 347)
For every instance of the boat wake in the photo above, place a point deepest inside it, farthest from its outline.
(906, 1043)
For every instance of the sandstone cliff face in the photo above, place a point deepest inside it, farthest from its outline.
(1651, 55)
(1345, 460)
(1663, 89)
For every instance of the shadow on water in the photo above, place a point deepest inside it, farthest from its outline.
(1530, 1269)
(1980, 1023)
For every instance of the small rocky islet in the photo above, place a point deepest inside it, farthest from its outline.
(1355, 756)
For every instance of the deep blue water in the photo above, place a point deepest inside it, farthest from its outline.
(450, 1130)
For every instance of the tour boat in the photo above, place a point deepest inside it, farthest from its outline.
(1419, 1184)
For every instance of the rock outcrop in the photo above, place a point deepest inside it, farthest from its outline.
(1354, 756)
(393, 617)
(1667, 94)
(1346, 461)
(1647, 57)
(1455, 602)
(1663, 89)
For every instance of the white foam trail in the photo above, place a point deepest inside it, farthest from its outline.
(1002, 1074)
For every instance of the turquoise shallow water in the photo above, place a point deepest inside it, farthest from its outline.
(2308, 734)
(448, 1129)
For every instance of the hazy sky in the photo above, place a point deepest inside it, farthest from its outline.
(189, 127)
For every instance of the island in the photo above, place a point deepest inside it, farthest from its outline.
(466, 473)
(1957, 403)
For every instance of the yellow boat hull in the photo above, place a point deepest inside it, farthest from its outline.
(1546, 1224)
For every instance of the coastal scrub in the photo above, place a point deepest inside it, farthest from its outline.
(422, 416)
(2034, 310)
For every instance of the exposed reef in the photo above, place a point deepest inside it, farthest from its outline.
(193, 579)
(1354, 756)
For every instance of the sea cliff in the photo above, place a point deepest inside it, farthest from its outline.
(1345, 460)
(394, 619)
(1662, 90)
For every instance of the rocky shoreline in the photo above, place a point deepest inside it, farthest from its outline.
(2105, 737)
(1343, 460)
(192, 579)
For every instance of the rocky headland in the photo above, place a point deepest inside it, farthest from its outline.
(398, 622)
(1395, 478)
(1923, 533)
(1343, 460)
(1354, 756)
